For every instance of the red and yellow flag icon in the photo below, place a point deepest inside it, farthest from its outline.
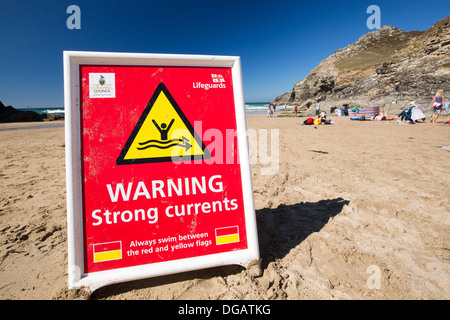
(108, 251)
(227, 235)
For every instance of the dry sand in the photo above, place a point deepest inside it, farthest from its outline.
(348, 200)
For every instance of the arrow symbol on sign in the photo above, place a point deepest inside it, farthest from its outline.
(185, 143)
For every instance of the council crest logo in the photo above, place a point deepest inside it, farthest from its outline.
(102, 85)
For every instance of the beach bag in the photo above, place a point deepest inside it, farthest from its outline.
(308, 121)
(317, 122)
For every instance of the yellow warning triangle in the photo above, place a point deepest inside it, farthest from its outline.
(162, 134)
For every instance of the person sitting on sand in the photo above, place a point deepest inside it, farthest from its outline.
(323, 115)
(387, 117)
(416, 112)
(406, 115)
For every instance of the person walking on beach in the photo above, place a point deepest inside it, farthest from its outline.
(295, 110)
(437, 105)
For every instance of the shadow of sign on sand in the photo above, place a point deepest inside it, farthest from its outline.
(283, 228)
(280, 230)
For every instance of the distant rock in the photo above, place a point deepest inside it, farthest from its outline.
(53, 116)
(384, 66)
(10, 114)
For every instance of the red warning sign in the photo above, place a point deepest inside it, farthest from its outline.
(161, 178)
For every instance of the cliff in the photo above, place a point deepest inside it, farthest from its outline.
(381, 67)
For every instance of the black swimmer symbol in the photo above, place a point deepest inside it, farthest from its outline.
(162, 130)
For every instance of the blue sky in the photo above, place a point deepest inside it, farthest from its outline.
(279, 42)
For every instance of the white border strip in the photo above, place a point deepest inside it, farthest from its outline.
(76, 276)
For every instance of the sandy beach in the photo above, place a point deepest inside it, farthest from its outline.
(356, 210)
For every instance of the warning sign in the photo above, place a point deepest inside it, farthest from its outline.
(162, 134)
(158, 173)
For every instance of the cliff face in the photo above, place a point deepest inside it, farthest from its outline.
(381, 67)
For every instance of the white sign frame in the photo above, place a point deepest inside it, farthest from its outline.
(248, 258)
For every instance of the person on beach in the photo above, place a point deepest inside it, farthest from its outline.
(437, 105)
(406, 115)
(269, 111)
(416, 112)
(323, 116)
(295, 110)
(317, 107)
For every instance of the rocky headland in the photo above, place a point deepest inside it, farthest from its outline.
(387, 68)
(11, 114)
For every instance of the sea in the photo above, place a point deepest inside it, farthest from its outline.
(251, 108)
(44, 110)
